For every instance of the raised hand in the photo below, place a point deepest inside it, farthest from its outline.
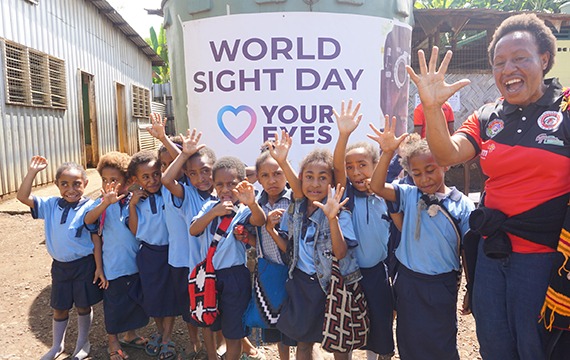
(432, 88)
(110, 193)
(279, 148)
(334, 203)
(387, 138)
(38, 163)
(274, 218)
(158, 126)
(245, 192)
(190, 144)
(348, 119)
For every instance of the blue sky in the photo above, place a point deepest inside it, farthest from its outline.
(134, 13)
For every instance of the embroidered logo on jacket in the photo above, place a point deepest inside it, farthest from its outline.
(495, 127)
(549, 140)
(550, 120)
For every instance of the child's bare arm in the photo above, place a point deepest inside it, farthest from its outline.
(109, 196)
(99, 276)
(190, 146)
(201, 223)
(347, 121)
(331, 210)
(388, 143)
(133, 215)
(37, 164)
(158, 131)
(274, 218)
(279, 150)
(245, 192)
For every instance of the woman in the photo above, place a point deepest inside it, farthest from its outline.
(524, 143)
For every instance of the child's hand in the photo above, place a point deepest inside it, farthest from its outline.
(137, 196)
(274, 218)
(387, 138)
(158, 126)
(241, 234)
(245, 192)
(223, 208)
(100, 279)
(190, 145)
(333, 204)
(279, 149)
(347, 121)
(110, 194)
(38, 163)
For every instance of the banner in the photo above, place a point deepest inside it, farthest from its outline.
(251, 75)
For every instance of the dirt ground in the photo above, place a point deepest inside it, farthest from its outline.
(25, 315)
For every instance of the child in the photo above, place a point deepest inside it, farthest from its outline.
(318, 229)
(274, 200)
(70, 246)
(371, 226)
(233, 283)
(196, 161)
(147, 221)
(435, 219)
(119, 251)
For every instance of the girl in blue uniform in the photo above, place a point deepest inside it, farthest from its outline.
(372, 229)
(69, 244)
(318, 229)
(435, 219)
(119, 251)
(233, 282)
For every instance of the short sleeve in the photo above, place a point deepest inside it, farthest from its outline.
(42, 207)
(471, 129)
(345, 224)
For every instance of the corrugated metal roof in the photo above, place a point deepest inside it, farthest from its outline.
(119, 22)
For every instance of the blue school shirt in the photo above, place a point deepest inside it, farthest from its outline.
(192, 203)
(371, 227)
(435, 252)
(152, 227)
(230, 251)
(120, 246)
(178, 231)
(67, 239)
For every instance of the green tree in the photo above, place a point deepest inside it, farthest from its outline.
(160, 74)
(504, 5)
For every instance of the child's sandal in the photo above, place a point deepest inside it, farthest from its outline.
(121, 353)
(153, 346)
(167, 351)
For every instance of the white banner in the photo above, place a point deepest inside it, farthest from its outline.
(251, 75)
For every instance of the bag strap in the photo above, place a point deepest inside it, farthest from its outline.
(222, 229)
(448, 216)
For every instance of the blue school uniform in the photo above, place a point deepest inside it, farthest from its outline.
(426, 283)
(69, 244)
(233, 280)
(120, 248)
(152, 227)
(372, 229)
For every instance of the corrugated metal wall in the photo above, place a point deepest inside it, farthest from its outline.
(74, 31)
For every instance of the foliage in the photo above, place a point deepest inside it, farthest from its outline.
(160, 74)
(504, 5)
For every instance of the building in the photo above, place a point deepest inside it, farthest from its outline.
(76, 81)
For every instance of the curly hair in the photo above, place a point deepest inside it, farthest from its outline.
(177, 140)
(142, 157)
(115, 160)
(370, 150)
(529, 22)
(261, 159)
(323, 156)
(70, 166)
(205, 151)
(412, 146)
(230, 163)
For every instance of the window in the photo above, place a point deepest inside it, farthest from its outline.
(141, 102)
(34, 78)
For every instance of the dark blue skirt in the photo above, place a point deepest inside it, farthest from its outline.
(155, 293)
(122, 313)
(303, 312)
(426, 325)
(378, 294)
(179, 277)
(72, 283)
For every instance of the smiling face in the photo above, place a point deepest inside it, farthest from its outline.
(428, 176)
(518, 68)
(359, 167)
(199, 170)
(271, 178)
(316, 179)
(71, 185)
(111, 175)
(225, 181)
(148, 176)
